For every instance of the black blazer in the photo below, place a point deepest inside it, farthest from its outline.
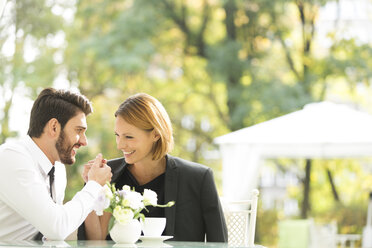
(197, 212)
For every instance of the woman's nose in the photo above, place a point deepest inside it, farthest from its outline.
(120, 144)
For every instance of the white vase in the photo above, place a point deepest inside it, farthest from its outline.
(126, 234)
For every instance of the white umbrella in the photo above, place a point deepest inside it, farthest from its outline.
(319, 130)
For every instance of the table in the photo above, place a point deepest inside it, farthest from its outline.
(108, 244)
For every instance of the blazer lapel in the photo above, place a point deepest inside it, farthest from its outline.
(117, 168)
(171, 189)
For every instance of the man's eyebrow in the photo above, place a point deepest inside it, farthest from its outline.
(81, 127)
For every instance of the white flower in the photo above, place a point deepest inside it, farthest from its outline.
(125, 204)
(133, 200)
(101, 202)
(126, 188)
(108, 192)
(150, 197)
(122, 215)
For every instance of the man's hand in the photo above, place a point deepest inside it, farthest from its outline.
(87, 167)
(97, 170)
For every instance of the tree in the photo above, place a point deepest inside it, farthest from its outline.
(26, 58)
(230, 63)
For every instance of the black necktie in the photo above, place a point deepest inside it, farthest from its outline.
(51, 180)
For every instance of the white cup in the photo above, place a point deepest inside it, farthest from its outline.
(153, 226)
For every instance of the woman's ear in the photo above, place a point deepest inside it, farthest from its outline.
(156, 135)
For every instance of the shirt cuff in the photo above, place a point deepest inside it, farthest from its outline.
(93, 188)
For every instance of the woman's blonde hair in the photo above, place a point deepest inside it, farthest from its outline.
(147, 113)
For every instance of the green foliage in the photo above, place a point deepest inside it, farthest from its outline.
(267, 226)
(216, 66)
(350, 212)
(353, 181)
(223, 60)
(27, 25)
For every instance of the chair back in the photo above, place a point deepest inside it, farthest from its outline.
(240, 219)
(323, 235)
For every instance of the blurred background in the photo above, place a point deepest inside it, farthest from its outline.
(217, 66)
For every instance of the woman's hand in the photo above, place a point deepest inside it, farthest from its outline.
(87, 167)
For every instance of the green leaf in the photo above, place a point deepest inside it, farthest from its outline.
(111, 223)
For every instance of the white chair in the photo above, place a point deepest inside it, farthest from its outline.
(240, 219)
(343, 239)
(326, 236)
(322, 235)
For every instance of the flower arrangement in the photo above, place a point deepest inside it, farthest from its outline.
(125, 204)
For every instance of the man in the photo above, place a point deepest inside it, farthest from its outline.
(31, 197)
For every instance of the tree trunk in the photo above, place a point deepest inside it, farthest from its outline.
(333, 186)
(232, 81)
(230, 10)
(306, 201)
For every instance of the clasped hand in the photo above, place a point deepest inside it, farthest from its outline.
(97, 170)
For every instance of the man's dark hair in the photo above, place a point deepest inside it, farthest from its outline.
(60, 104)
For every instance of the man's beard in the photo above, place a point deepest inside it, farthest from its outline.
(64, 150)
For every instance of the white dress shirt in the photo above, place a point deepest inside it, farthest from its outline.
(25, 203)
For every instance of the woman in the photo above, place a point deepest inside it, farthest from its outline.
(144, 134)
